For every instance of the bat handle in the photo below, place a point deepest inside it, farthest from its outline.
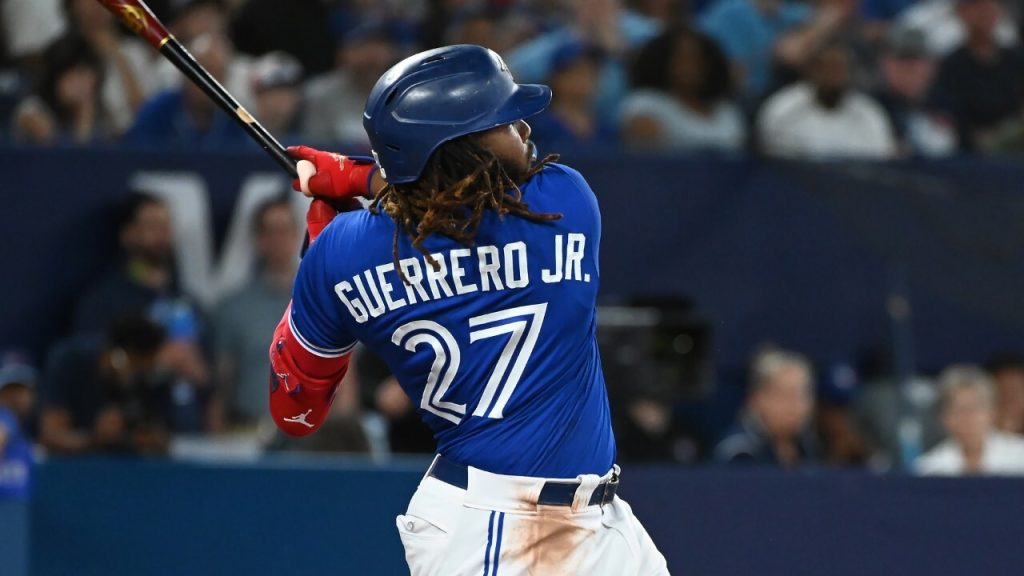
(180, 57)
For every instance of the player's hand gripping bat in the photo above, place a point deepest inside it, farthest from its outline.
(140, 19)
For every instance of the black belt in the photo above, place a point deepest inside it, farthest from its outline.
(552, 494)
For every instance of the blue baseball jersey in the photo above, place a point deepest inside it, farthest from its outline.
(494, 343)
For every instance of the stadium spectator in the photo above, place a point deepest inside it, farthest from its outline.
(896, 415)
(68, 108)
(842, 442)
(905, 73)
(773, 429)
(570, 119)
(973, 446)
(943, 29)
(334, 101)
(186, 117)
(824, 116)
(190, 19)
(757, 35)
(481, 26)
(145, 272)
(681, 99)
(129, 77)
(244, 318)
(17, 388)
(979, 85)
(1008, 374)
(300, 28)
(605, 24)
(143, 282)
(276, 88)
(17, 397)
(27, 29)
(106, 394)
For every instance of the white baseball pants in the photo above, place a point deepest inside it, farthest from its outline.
(496, 528)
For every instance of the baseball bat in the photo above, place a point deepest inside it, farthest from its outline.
(141, 20)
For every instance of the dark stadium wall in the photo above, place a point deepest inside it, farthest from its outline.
(128, 518)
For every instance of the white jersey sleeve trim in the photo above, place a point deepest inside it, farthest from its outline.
(317, 350)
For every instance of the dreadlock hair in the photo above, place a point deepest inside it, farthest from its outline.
(460, 182)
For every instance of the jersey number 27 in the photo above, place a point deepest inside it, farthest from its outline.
(522, 324)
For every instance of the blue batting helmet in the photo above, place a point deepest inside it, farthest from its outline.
(436, 96)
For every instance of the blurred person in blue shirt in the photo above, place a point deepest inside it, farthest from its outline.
(570, 119)
(17, 397)
(186, 117)
(774, 427)
(682, 97)
(606, 24)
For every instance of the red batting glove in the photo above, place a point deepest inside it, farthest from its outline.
(337, 178)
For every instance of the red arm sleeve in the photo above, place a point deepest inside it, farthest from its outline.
(302, 382)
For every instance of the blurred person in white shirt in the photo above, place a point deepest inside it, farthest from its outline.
(825, 116)
(682, 97)
(974, 446)
(29, 27)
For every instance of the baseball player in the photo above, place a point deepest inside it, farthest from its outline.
(473, 273)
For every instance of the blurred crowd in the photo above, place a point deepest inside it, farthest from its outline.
(145, 369)
(144, 366)
(793, 78)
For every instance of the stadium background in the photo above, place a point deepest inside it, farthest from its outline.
(882, 266)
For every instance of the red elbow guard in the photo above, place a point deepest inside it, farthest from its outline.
(302, 384)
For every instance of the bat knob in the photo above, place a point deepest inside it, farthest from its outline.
(305, 170)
